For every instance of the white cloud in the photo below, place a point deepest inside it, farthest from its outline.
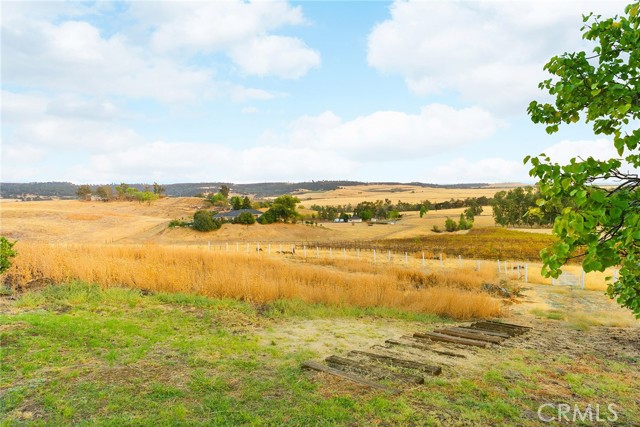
(191, 162)
(249, 110)
(213, 26)
(491, 52)
(563, 151)
(488, 170)
(279, 56)
(394, 135)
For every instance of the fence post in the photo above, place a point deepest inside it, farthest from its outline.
(304, 250)
(247, 248)
(519, 271)
(615, 276)
(374, 256)
(499, 271)
(422, 259)
(330, 252)
(478, 265)
(237, 247)
(582, 278)
(344, 253)
(526, 273)
(280, 247)
(389, 256)
(460, 260)
(317, 252)
(441, 265)
(269, 249)
(258, 247)
(406, 259)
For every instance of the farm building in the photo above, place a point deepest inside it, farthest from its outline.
(231, 215)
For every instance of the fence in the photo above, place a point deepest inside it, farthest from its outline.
(428, 261)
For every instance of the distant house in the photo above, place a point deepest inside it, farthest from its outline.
(231, 215)
(355, 219)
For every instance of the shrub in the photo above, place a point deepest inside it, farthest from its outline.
(436, 229)
(450, 225)
(6, 253)
(246, 218)
(204, 221)
(179, 223)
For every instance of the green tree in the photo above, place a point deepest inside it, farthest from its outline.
(246, 218)
(246, 203)
(423, 210)
(84, 192)
(603, 88)
(6, 253)
(204, 221)
(283, 209)
(450, 225)
(236, 202)
(122, 190)
(224, 190)
(158, 189)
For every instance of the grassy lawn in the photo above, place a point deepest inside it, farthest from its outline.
(78, 355)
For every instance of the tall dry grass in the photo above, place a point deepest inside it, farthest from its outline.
(255, 278)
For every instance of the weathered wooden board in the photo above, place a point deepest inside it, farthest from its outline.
(310, 364)
(432, 370)
(447, 338)
(375, 371)
(478, 336)
(484, 331)
(413, 343)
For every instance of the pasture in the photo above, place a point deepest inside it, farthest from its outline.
(108, 317)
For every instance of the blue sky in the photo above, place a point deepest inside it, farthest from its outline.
(431, 91)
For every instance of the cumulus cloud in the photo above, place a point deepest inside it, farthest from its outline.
(491, 53)
(494, 169)
(395, 135)
(279, 56)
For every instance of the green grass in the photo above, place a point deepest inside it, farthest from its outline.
(79, 355)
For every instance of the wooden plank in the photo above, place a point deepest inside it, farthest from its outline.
(373, 370)
(446, 338)
(403, 363)
(467, 334)
(421, 346)
(484, 331)
(494, 328)
(310, 364)
(511, 325)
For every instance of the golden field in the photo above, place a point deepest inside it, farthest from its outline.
(257, 278)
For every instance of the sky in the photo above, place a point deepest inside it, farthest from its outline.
(229, 91)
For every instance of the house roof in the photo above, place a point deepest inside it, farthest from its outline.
(235, 213)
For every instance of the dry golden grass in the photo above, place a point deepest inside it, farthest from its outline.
(257, 278)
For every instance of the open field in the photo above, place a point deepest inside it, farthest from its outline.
(78, 355)
(406, 193)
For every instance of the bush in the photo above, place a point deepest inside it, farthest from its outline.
(436, 229)
(204, 221)
(464, 224)
(6, 253)
(450, 225)
(246, 218)
(179, 223)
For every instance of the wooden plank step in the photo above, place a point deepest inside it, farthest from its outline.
(510, 325)
(403, 363)
(494, 328)
(472, 335)
(447, 338)
(310, 364)
(484, 331)
(366, 369)
(414, 343)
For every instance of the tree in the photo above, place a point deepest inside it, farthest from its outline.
(105, 192)
(283, 209)
(236, 202)
(158, 189)
(204, 221)
(246, 218)
(122, 190)
(246, 203)
(224, 190)
(450, 225)
(423, 210)
(6, 253)
(84, 192)
(602, 88)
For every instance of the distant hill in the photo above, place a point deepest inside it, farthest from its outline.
(67, 190)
